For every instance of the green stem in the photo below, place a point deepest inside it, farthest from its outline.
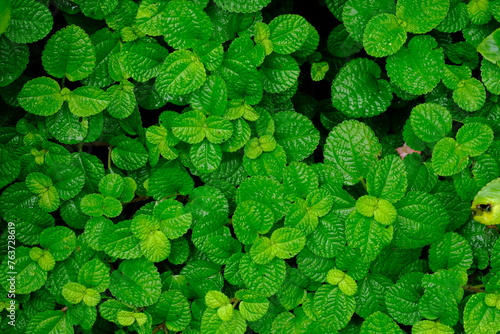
(363, 182)
(109, 158)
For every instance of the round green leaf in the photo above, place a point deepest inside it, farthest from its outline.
(479, 317)
(111, 185)
(418, 68)
(479, 11)
(384, 35)
(430, 121)
(474, 138)
(122, 101)
(470, 94)
(94, 274)
(251, 218)
(60, 241)
(296, 134)
(287, 242)
(69, 53)
(448, 158)
(388, 180)
(30, 21)
(456, 19)
(420, 17)
(359, 78)
(288, 33)
(190, 127)
(41, 96)
(402, 299)
(66, 127)
(431, 327)
(357, 13)
(211, 98)
(87, 101)
(353, 148)
(341, 43)
(217, 129)
(279, 72)
(128, 153)
(174, 221)
(136, 282)
(264, 279)
(174, 307)
(73, 292)
(142, 58)
(106, 43)
(182, 73)
(205, 156)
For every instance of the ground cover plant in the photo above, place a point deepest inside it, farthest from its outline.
(249, 166)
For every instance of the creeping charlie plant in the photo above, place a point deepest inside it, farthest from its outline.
(250, 166)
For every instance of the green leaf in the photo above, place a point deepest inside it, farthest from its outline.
(66, 127)
(474, 138)
(106, 44)
(265, 191)
(252, 306)
(448, 158)
(217, 129)
(418, 68)
(371, 293)
(319, 202)
(30, 21)
(13, 60)
(128, 153)
(353, 148)
(402, 299)
(136, 282)
(250, 219)
(174, 308)
(185, 25)
(439, 303)
(111, 185)
(452, 252)
(357, 13)
(268, 163)
(489, 47)
(49, 321)
(173, 219)
(279, 73)
(182, 73)
(96, 205)
(241, 135)
(69, 53)
(60, 241)
(122, 101)
(212, 323)
(421, 220)
(241, 6)
(318, 70)
(87, 101)
(299, 179)
(360, 77)
(142, 58)
(479, 11)
(341, 43)
(264, 279)
(287, 242)
(211, 98)
(379, 322)
(41, 96)
(288, 32)
(169, 179)
(345, 282)
(216, 299)
(479, 317)
(331, 305)
(205, 156)
(431, 327)
(296, 134)
(384, 35)
(73, 292)
(365, 234)
(29, 276)
(456, 19)
(388, 180)
(94, 274)
(470, 94)
(155, 246)
(421, 17)
(430, 122)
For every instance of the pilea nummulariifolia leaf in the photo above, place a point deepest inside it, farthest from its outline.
(263, 166)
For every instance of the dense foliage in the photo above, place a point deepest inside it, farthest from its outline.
(235, 166)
